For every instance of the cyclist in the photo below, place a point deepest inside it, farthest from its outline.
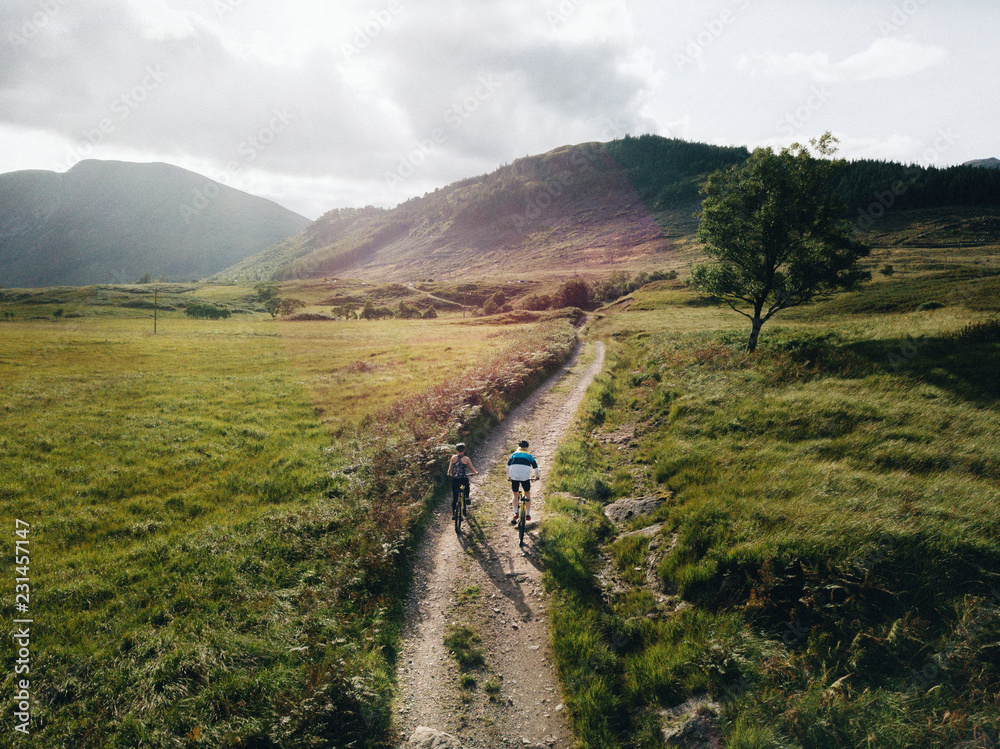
(458, 469)
(519, 470)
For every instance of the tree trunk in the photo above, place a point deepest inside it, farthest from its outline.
(755, 324)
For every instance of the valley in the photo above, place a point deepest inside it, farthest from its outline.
(236, 490)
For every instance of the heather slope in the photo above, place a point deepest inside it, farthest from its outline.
(589, 208)
(568, 209)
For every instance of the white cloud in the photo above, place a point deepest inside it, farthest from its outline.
(886, 59)
(446, 89)
(895, 147)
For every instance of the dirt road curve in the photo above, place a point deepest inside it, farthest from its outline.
(484, 581)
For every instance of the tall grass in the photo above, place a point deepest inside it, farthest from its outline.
(211, 569)
(832, 522)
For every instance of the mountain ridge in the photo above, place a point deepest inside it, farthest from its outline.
(990, 163)
(115, 221)
(536, 215)
(590, 207)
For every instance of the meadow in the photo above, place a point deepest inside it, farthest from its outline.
(828, 543)
(221, 513)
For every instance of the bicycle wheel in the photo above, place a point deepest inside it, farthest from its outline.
(459, 512)
(521, 522)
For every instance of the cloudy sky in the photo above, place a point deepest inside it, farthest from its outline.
(321, 105)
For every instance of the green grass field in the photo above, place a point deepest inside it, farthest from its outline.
(830, 531)
(221, 514)
(218, 535)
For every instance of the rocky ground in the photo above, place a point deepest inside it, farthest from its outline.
(482, 581)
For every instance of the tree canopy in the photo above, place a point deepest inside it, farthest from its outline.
(776, 234)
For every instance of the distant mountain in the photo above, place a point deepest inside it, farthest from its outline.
(573, 208)
(628, 204)
(991, 163)
(114, 222)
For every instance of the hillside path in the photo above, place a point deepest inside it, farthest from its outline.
(484, 581)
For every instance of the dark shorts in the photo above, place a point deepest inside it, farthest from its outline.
(514, 484)
(456, 484)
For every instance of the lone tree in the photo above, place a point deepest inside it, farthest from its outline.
(776, 234)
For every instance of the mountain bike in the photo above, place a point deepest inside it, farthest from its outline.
(463, 501)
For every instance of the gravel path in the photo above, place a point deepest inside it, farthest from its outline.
(484, 581)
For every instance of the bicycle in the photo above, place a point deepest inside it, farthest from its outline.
(463, 501)
(522, 513)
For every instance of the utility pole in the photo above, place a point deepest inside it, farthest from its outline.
(155, 307)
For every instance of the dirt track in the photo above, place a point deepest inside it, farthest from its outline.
(484, 581)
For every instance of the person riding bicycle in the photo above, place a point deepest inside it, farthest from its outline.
(519, 470)
(458, 469)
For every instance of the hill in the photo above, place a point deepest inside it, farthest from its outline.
(592, 207)
(114, 222)
(572, 208)
(991, 163)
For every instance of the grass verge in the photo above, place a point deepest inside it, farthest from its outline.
(832, 573)
(210, 569)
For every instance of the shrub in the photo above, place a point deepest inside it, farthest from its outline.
(207, 312)
(574, 293)
(536, 302)
(493, 305)
(371, 312)
(408, 312)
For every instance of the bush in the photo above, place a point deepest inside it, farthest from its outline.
(536, 302)
(494, 304)
(371, 312)
(207, 312)
(408, 312)
(574, 293)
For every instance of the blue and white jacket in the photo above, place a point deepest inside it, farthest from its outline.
(519, 466)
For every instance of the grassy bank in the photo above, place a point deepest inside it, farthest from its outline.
(210, 566)
(827, 554)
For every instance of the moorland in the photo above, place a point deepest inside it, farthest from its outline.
(223, 512)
